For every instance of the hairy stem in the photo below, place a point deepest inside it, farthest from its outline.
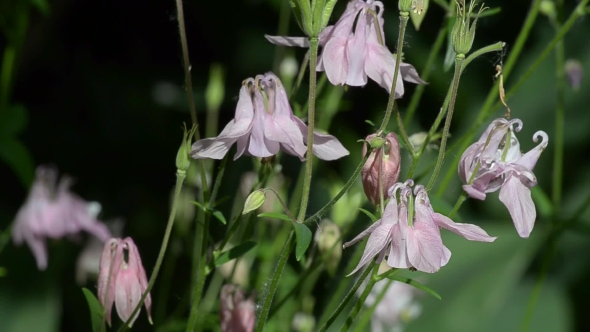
(361, 301)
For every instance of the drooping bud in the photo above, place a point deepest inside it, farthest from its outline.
(463, 32)
(122, 280)
(183, 160)
(383, 165)
(254, 201)
(574, 73)
(329, 244)
(236, 312)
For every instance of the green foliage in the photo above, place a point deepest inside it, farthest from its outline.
(96, 311)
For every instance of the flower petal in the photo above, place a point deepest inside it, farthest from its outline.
(380, 65)
(409, 74)
(376, 244)
(468, 231)
(325, 147)
(355, 53)
(529, 160)
(425, 247)
(288, 41)
(518, 200)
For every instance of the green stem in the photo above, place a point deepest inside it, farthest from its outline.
(6, 76)
(460, 201)
(443, 144)
(361, 301)
(300, 282)
(559, 129)
(313, 47)
(267, 301)
(417, 96)
(164, 291)
(493, 94)
(403, 22)
(369, 313)
(347, 299)
(180, 176)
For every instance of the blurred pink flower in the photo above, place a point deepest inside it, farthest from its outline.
(121, 263)
(384, 161)
(237, 313)
(52, 211)
(262, 128)
(411, 238)
(354, 48)
(498, 164)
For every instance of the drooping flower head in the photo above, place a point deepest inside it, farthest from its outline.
(88, 262)
(408, 233)
(236, 312)
(383, 163)
(264, 124)
(354, 49)
(496, 162)
(122, 279)
(52, 211)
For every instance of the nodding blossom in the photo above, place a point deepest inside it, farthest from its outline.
(354, 49)
(122, 280)
(236, 312)
(495, 162)
(264, 124)
(53, 211)
(408, 233)
(383, 164)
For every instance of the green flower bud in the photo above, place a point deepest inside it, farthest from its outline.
(463, 32)
(547, 8)
(254, 201)
(329, 244)
(215, 90)
(183, 160)
(377, 142)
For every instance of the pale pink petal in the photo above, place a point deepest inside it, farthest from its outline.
(518, 200)
(335, 61)
(39, 250)
(474, 193)
(286, 132)
(127, 294)
(325, 147)
(355, 53)
(288, 41)
(529, 160)
(409, 74)
(398, 257)
(380, 65)
(217, 148)
(364, 233)
(425, 248)
(259, 145)
(446, 256)
(136, 264)
(377, 242)
(468, 231)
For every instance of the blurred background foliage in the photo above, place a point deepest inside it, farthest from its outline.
(97, 89)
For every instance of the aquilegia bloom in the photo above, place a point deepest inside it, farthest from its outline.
(411, 238)
(52, 211)
(236, 312)
(354, 48)
(122, 279)
(498, 164)
(264, 124)
(383, 163)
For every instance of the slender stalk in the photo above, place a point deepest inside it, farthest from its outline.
(300, 282)
(417, 96)
(267, 301)
(360, 302)
(164, 290)
(180, 176)
(403, 22)
(369, 313)
(493, 94)
(188, 84)
(313, 47)
(443, 144)
(460, 201)
(347, 299)
(559, 129)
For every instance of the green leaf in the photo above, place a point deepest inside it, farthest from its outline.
(275, 215)
(42, 6)
(303, 235)
(18, 158)
(13, 121)
(217, 214)
(234, 252)
(542, 202)
(96, 311)
(3, 272)
(369, 214)
(415, 284)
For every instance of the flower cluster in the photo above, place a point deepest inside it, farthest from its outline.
(53, 211)
(495, 162)
(122, 279)
(408, 233)
(264, 124)
(354, 49)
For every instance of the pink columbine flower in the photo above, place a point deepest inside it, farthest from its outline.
(237, 313)
(52, 211)
(411, 237)
(354, 48)
(498, 164)
(262, 128)
(384, 163)
(122, 279)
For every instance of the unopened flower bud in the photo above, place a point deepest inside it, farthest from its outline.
(215, 90)
(405, 6)
(254, 201)
(377, 142)
(463, 32)
(383, 165)
(329, 244)
(574, 73)
(547, 8)
(183, 160)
